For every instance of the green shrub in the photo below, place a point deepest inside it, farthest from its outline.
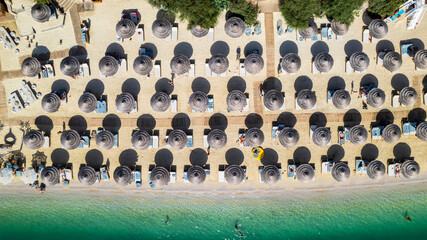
(298, 12)
(384, 8)
(341, 10)
(247, 10)
(221, 4)
(42, 1)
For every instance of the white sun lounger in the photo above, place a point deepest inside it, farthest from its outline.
(242, 69)
(365, 37)
(208, 70)
(205, 141)
(140, 33)
(246, 108)
(157, 71)
(123, 65)
(174, 106)
(396, 102)
(211, 35)
(192, 70)
(314, 69)
(425, 98)
(174, 33)
(221, 176)
(155, 141)
(348, 68)
(46, 142)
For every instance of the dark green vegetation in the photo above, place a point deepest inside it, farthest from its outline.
(340, 10)
(247, 10)
(42, 1)
(384, 8)
(297, 12)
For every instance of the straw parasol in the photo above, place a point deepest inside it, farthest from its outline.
(340, 172)
(108, 66)
(125, 28)
(142, 65)
(41, 12)
(34, 139)
(408, 96)
(50, 175)
(410, 169)
(87, 175)
(70, 66)
(305, 173)
(217, 138)
(421, 131)
(196, 175)
(310, 31)
(198, 101)
(177, 139)
(270, 174)
(323, 62)
(254, 137)
(420, 59)
(375, 169)
(123, 175)
(234, 27)
(234, 174)
(160, 102)
(31, 67)
(159, 176)
(392, 61)
(180, 64)
(125, 102)
(341, 98)
(236, 100)
(254, 63)
(161, 28)
(51, 102)
(391, 133)
(141, 140)
(273, 100)
(70, 139)
(306, 99)
(359, 61)
(378, 28)
(198, 31)
(339, 29)
(288, 137)
(218, 63)
(376, 98)
(105, 140)
(291, 62)
(321, 136)
(358, 134)
(87, 102)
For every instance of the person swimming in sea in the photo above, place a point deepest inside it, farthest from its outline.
(167, 219)
(407, 217)
(236, 226)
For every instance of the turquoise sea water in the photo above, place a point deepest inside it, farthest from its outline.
(374, 214)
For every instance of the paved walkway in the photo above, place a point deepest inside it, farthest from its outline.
(75, 18)
(269, 40)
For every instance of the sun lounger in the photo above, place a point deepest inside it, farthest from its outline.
(84, 70)
(186, 177)
(172, 176)
(380, 58)
(374, 40)
(101, 106)
(276, 130)
(210, 104)
(314, 69)
(136, 178)
(205, 141)
(157, 70)
(174, 105)
(189, 141)
(377, 132)
(134, 17)
(211, 34)
(174, 33)
(246, 108)
(412, 128)
(104, 174)
(361, 166)
(46, 142)
(135, 107)
(330, 33)
(405, 128)
(123, 65)
(392, 170)
(425, 98)
(396, 102)
(327, 166)
(242, 69)
(312, 128)
(154, 141)
(314, 38)
(348, 68)
(192, 70)
(140, 33)
(330, 93)
(84, 144)
(208, 70)
(339, 37)
(49, 70)
(365, 36)
(324, 33)
(406, 50)
(291, 170)
(221, 178)
(299, 37)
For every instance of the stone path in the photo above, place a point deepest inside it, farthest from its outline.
(269, 40)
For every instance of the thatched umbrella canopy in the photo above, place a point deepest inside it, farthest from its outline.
(161, 28)
(105, 140)
(87, 102)
(408, 96)
(41, 12)
(306, 99)
(410, 169)
(254, 137)
(217, 138)
(87, 175)
(323, 62)
(108, 66)
(198, 101)
(358, 134)
(180, 64)
(218, 63)
(125, 102)
(321, 136)
(177, 139)
(270, 174)
(391, 133)
(236, 100)
(125, 28)
(141, 140)
(50, 175)
(375, 169)
(198, 31)
(31, 67)
(273, 100)
(288, 137)
(341, 99)
(392, 61)
(234, 27)
(378, 28)
(421, 131)
(34, 139)
(160, 102)
(70, 66)
(142, 65)
(234, 174)
(254, 63)
(305, 173)
(291, 62)
(420, 59)
(160, 177)
(310, 31)
(339, 29)
(196, 175)
(359, 61)
(70, 139)
(376, 98)
(123, 175)
(51, 102)
(340, 172)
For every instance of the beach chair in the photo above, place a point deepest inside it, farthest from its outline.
(361, 166)
(380, 58)
(192, 70)
(84, 144)
(312, 128)
(157, 70)
(394, 170)
(104, 174)
(174, 104)
(395, 101)
(140, 33)
(246, 108)
(291, 170)
(242, 69)
(46, 142)
(313, 68)
(208, 70)
(299, 37)
(425, 98)
(330, 93)
(211, 35)
(118, 39)
(174, 33)
(101, 106)
(221, 170)
(135, 107)
(154, 141)
(327, 166)
(348, 68)
(406, 50)
(324, 33)
(276, 130)
(205, 141)
(330, 33)
(134, 17)
(189, 141)
(377, 133)
(412, 128)
(49, 70)
(365, 36)
(314, 38)
(210, 104)
(136, 178)
(123, 65)
(405, 128)
(340, 37)
(172, 176)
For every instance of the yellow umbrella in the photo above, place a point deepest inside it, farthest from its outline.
(258, 153)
